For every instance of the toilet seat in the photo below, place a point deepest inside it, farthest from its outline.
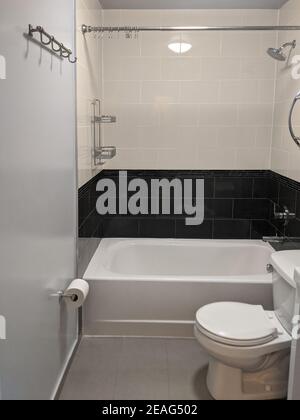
(236, 324)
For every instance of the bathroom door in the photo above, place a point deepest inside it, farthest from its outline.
(37, 198)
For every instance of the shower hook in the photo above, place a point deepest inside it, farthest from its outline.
(128, 32)
(136, 36)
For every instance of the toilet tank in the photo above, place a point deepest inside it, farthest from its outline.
(284, 286)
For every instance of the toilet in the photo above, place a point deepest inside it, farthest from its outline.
(249, 347)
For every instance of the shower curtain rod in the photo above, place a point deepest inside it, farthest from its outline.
(88, 29)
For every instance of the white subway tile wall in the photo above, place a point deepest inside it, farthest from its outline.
(211, 108)
(89, 84)
(285, 153)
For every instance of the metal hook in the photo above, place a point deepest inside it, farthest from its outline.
(57, 47)
(65, 52)
(30, 30)
(44, 34)
(127, 32)
(72, 61)
(53, 41)
(136, 36)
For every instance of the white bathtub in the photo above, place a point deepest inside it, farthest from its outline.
(153, 287)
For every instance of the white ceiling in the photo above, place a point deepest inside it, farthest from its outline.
(192, 4)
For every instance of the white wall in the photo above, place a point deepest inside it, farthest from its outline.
(209, 109)
(38, 199)
(285, 153)
(89, 84)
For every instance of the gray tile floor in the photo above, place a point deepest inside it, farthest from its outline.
(137, 369)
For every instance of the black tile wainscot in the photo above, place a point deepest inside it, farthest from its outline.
(238, 205)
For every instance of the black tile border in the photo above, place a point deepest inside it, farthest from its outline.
(242, 190)
(284, 180)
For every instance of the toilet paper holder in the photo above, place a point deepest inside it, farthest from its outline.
(62, 295)
(75, 295)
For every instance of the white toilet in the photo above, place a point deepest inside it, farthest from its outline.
(249, 347)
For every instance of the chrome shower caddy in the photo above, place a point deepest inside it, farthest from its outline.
(101, 153)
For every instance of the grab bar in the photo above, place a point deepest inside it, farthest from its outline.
(294, 137)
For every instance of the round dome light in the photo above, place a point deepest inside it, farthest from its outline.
(180, 47)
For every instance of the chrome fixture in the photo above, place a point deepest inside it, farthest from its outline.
(101, 153)
(270, 269)
(51, 42)
(136, 29)
(286, 215)
(108, 152)
(278, 53)
(280, 239)
(96, 104)
(106, 119)
(62, 295)
(294, 137)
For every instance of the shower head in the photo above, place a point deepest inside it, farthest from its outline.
(278, 53)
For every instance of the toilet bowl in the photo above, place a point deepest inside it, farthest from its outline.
(249, 351)
(249, 347)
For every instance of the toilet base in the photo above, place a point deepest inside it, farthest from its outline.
(227, 383)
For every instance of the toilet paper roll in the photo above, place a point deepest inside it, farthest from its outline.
(77, 293)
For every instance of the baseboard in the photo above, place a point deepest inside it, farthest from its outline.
(128, 328)
(61, 379)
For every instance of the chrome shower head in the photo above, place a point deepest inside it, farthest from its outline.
(278, 53)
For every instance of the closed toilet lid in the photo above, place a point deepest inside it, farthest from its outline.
(236, 324)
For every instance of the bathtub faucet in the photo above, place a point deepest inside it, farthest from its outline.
(280, 239)
(286, 215)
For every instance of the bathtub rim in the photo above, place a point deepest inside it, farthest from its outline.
(97, 272)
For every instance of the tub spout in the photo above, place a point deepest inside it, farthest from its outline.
(280, 239)
(275, 239)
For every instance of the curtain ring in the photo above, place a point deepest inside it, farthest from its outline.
(136, 36)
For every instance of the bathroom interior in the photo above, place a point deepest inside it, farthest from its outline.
(118, 93)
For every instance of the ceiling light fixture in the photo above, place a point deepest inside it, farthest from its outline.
(180, 47)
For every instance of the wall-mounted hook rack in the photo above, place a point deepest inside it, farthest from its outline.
(49, 40)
